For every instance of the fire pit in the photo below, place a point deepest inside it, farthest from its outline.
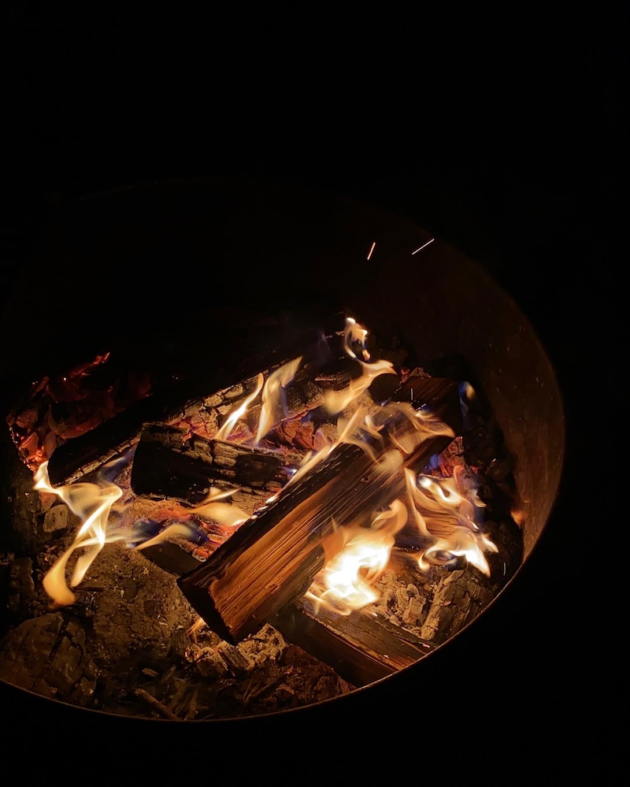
(313, 448)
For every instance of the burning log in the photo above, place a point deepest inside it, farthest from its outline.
(84, 454)
(361, 648)
(273, 558)
(168, 463)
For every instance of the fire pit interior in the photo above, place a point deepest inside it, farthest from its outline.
(267, 447)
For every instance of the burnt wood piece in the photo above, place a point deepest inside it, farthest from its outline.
(273, 558)
(459, 597)
(170, 463)
(84, 454)
(361, 648)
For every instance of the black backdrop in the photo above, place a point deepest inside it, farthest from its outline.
(501, 132)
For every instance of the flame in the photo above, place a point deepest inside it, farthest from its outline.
(239, 412)
(92, 503)
(362, 554)
(336, 401)
(273, 396)
(219, 494)
(355, 333)
(445, 518)
(223, 513)
(171, 530)
(350, 431)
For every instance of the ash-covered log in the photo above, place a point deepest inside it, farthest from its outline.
(171, 463)
(360, 647)
(82, 455)
(273, 558)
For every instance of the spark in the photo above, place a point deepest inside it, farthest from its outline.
(420, 249)
(371, 250)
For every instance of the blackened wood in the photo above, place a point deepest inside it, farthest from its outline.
(86, 453)
(170, 557)
(272, 559)
(459, 597)
(361, 648)
(171, 463)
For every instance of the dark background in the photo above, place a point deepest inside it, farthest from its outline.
(501, 132)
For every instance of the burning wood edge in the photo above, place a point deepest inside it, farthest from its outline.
(273, 558)
(169, 464)
(360, 648)
(84, 454)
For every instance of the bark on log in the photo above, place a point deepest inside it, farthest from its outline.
(361, 648)
(272, 559)
(84, 454)
(169, 463)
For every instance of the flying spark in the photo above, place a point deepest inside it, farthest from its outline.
(420, 249)
(371, 250)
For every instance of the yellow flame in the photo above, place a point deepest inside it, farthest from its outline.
(336, 401)
(239, 412)
(349, 576)
(171, 530)
(272, 396)
(355, 333)
(219, 494)
(223, 513)
(92, 503)
(349, 432)
(445, 518)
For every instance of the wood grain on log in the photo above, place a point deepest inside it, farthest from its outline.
(361, 648)
(170, 463)
(272, 559)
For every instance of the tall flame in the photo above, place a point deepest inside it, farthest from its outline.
(336, 401)
(238, 412)
(273, 396)
(92, 503)
(445, 519)
(349, 576)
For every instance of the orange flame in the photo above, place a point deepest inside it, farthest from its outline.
(272, 396)
(92, 503)
(336, 401)
(349, 576)
(446, 519)
(238, 412)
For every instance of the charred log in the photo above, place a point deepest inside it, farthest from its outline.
(361, 648)
(169, 463)
(86, 453)
(272, 559)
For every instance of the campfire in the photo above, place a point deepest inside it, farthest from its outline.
(306, 520)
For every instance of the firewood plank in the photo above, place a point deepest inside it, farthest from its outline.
(272, 559)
